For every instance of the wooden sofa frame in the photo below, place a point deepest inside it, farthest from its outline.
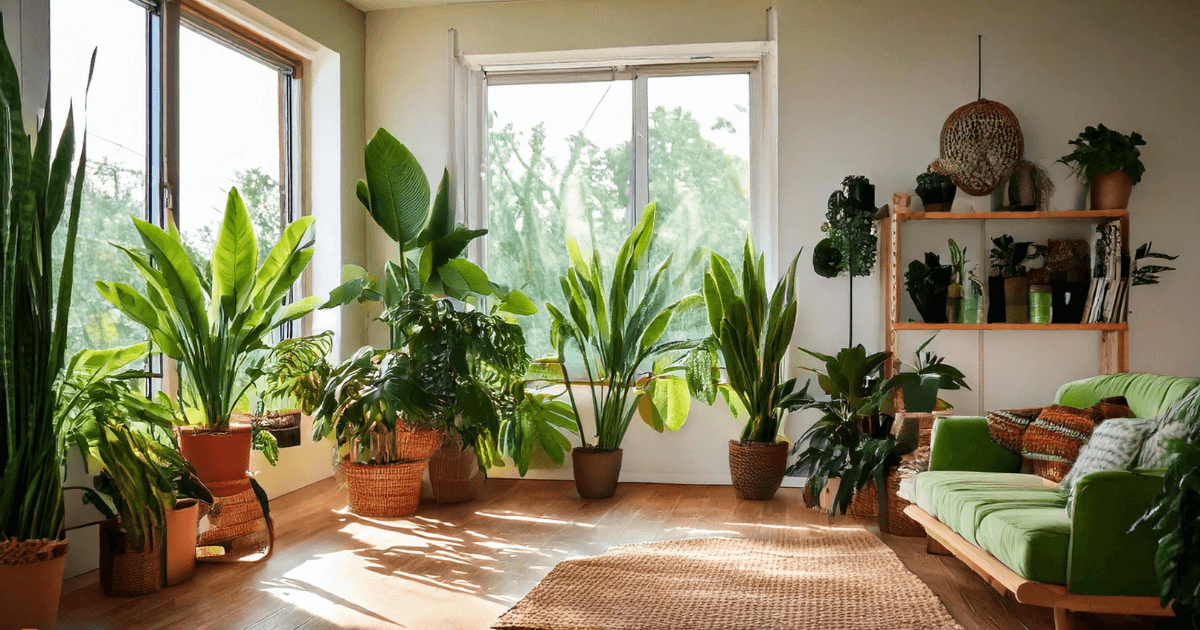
(945, 541)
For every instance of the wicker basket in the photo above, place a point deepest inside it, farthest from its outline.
(864, 503)
(416, 443)
(125, 573)
(898, 523)
(389, 490)
(757, 469)
(454, 473)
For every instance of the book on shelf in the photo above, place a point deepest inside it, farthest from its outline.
(1108, 296)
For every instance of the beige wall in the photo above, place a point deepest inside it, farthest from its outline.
(864, 89)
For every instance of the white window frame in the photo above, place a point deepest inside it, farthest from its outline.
(472, 74)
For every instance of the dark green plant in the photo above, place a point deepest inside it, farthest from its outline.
(851, 245)
(297, 369)
(931, 364)
(1008, 256)
(1148, 274)
(752, 330)
(928, 284)
(34, 183)
(537, 425)
(1100, 150)
(930, 186)
(1175, 517)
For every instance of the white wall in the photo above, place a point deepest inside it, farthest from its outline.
(864, 89)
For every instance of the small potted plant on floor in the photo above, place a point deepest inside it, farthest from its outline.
(936, 191)
(930, 373)
(1110, 162)
(1008, 258)
(751, 330)
(616, 327)
(217, 330)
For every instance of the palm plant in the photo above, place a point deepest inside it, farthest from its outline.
(617, 335)
(215, 328)
(752, 332)
(33, 314)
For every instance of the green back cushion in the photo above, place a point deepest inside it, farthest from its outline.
(1149, 395)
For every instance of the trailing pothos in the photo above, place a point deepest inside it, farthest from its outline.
(1175, 517)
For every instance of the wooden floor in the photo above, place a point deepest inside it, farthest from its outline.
(461, 566)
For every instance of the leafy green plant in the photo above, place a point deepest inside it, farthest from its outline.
(928, 284)
(1148, 274)
(931, 186)
(396, 194)
(931, 364)
(537, 425)
(619, 333)
(34, 182)
(752, 331)
(298, 370)
(851, 245)
(1175, 516)
(1008, 256)
(216, 329)
(1100, 150)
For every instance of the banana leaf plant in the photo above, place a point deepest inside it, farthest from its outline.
(751, 330)
(615, 327)
(216, 329)
(430, 245)
(34, 186)
(126, 437)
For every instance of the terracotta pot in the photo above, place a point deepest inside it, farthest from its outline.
(757, 468)
(1111, 190)
(1016, 300)
(454, 473)
(216, 456)
(126, 572)
(29, 594)
(596, 471)
(182, 523)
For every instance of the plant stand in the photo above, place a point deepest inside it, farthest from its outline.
(236, 529)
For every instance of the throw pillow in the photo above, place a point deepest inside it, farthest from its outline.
(1116, 400)
(1052, 442)
(1154, 448)
(1007, 427)
(1114, 445)
(1113, 410)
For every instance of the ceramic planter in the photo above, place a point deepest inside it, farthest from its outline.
(181, 541)
(939, 199)
(596, 471)
(922, 398)
(1111, 190)
(29, 594)
(1039, 304)
(757, 468)
(971, 308)
(216, 456)
(1016, 300)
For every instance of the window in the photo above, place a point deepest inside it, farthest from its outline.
(581, 152)
(237, 101)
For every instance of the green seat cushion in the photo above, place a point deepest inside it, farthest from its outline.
(961, 500)
(1032, 541)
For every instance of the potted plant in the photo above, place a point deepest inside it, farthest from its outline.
(33, 342)
(930, 373)
(936, 191)
(216, 330)
(851, 246)
(1008, 258)
(928, 284)
(752, 330)
(616, 328)
(1110, 162)
(192, 502)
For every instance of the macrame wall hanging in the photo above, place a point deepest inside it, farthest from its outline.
(981, 142)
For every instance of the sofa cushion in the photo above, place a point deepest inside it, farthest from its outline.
(1148, 395)
(1053, 441)
(1114, 445)
(1033, 541)
(962, 500)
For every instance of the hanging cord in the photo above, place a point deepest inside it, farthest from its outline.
(979, 56)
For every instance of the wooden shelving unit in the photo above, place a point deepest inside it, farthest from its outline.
(1114, 338)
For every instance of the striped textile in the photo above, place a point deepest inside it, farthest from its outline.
(1052, 442)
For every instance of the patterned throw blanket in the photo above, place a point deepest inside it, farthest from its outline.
(1049, 438)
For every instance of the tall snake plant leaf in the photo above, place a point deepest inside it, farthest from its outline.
(234, 258)
(397, 187)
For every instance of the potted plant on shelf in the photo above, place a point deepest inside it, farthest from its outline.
(33, 339)
(1110, 162)
(217, 330)
(930, 373)
(936, 191)
(752, 330)
(851, 246)
(928, 284)
(1008, 258)
(616, 329)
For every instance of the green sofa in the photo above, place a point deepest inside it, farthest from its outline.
(974, 488)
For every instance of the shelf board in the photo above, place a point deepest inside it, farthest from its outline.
(1092, 215)
(1124, 326)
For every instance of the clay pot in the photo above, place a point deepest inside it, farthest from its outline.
(181, 540)
(1111, 190)
(757, 468)
(596, 471)
(29, 594)
(216, 456)
(454, 473)
(1016, 300)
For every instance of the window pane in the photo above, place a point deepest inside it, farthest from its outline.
(115, 184)
(229, 135)
(559, 165)
(699, 176)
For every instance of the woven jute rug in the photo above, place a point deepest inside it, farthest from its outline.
(819, 579)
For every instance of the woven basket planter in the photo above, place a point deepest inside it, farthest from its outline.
(757, 469)
(388, 490)
(864, 504)
(454, 473)
(417, 443)
(898, 523)
(126, 573)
